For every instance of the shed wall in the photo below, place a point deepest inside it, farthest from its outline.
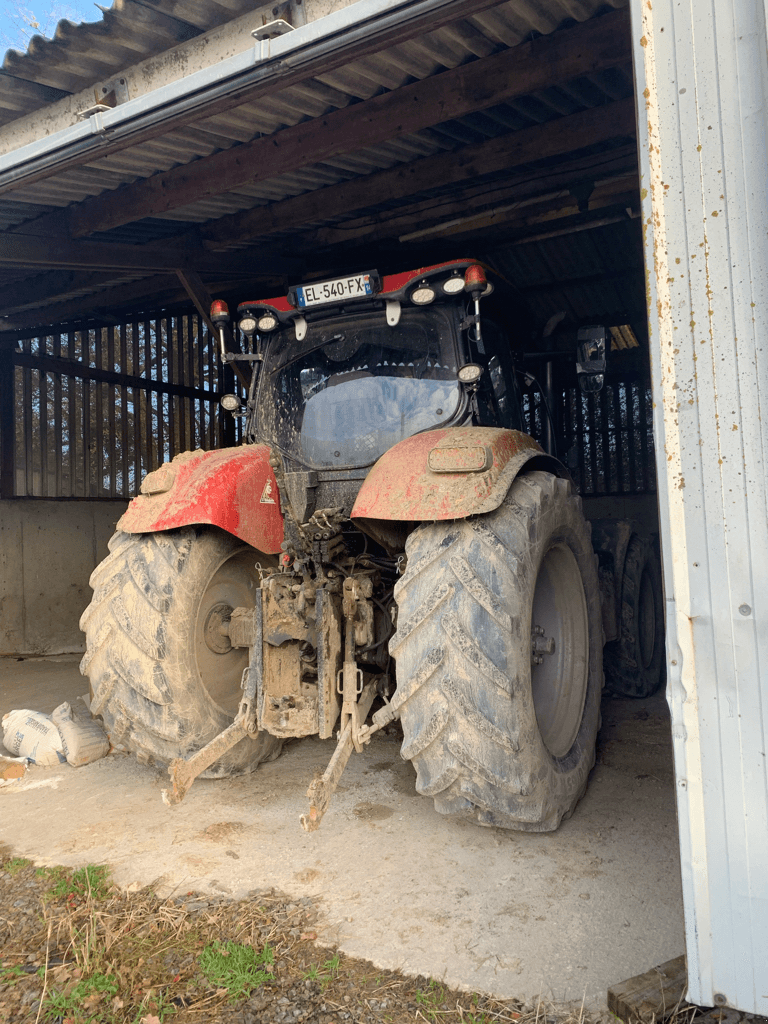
(48, 550)
(702, 84)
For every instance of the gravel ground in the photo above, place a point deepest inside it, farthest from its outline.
(77, 950)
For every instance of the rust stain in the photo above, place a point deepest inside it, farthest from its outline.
(402, 487)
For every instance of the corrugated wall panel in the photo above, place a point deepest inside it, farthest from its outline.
(702, 87)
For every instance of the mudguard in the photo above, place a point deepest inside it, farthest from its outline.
(448, 474)
(233, 488)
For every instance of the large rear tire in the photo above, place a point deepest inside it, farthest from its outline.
(492, 733)
(634, 663)
(162, 676)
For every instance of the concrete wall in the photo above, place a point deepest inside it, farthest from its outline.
(48, 550)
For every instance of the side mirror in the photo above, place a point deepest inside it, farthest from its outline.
(590, 358)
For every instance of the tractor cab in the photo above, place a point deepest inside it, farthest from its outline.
(351, 367)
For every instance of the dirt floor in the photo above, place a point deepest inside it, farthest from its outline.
(511, 915)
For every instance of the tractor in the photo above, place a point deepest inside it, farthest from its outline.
(387, 544)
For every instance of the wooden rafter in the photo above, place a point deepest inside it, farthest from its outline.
(552, 139)
(588, 48)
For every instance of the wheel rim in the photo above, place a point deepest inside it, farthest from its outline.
(559, 622)
(232, 585)
(647, 620)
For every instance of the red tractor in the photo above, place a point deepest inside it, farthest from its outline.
(386, 540)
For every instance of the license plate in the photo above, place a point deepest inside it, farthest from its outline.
(355, 287)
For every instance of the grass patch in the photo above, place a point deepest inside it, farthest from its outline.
(326, 972)
(11, 975)
(90, 882)
(237, 968)
(431, 1000)
(84, 1001)
(16, 865)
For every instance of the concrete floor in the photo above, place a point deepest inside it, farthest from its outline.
(563, 915)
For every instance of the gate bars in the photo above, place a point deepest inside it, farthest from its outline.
(87, 412)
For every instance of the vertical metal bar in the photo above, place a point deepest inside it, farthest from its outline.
(7, 424)
(177, 334)
(581, 402)
(71, 420)
(98, 417)
(162, 368)
(124, 462)
(213, 385)
(703, 82)
(85, 344)
(199, 380)
(645, 435)
(603, 401)
(632, 436)
(58, 438)
(42, 432)
(618, 422)
(111, 395)
(592, 452)
(29, 468)
(150, 437)
(136, 412)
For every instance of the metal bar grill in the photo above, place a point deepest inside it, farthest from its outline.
(88, 412)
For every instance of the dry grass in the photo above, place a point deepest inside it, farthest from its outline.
(113, 957)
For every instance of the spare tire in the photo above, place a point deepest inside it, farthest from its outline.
(499, 658)
(163, 676)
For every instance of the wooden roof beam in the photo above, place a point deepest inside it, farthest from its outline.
(586, 49)
(38, 251)
(551, 139)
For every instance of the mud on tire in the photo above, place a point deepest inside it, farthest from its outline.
(492, 735)
(162, 676)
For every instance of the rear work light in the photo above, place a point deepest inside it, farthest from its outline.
(267, 322)
(423, 294)
(454, 284)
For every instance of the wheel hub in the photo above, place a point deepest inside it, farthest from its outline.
(540, 645)
(216, 640)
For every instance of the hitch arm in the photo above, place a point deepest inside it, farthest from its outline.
(322, 789)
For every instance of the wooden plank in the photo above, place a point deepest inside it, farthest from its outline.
(35, 251)
(651, 997)
(82, 371)
(7, 425)
(586, 49)
(554, 138)
(26, 294)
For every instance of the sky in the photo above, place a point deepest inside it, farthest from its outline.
(20, 21)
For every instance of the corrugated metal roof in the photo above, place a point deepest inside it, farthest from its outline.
(81, 55)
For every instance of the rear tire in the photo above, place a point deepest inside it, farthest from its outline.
(634, 664)
(492, 735)
(162, 676)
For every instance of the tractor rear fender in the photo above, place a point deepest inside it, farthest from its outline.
(233, 488)
(450, 473)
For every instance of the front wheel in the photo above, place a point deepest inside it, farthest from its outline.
(163, 676)
(499, 658)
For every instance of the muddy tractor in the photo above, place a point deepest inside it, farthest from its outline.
(386, 545)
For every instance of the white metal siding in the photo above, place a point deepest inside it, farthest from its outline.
(702, 79)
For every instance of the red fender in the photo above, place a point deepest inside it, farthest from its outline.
(447, 474)
(233, 488)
